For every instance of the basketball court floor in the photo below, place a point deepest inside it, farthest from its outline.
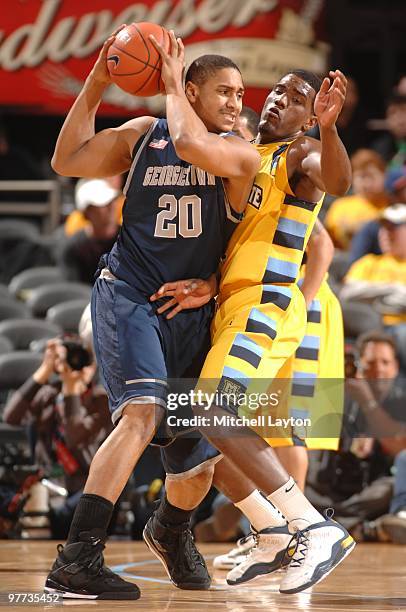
(372, 578)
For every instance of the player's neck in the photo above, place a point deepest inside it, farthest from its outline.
(264, 139)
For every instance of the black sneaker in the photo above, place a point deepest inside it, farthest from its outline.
(175, 547)
(79, 572)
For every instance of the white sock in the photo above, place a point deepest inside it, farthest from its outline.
(260, 512)
(290, 500)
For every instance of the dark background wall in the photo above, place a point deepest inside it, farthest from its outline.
(368, 39)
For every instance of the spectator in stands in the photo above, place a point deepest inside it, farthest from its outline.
(375, 276)
(81, 253)
(392, 144)
(367, 239)
(68, 418)
(357, 482)
(395, 183)
(246, 124)
(380, 395)
(348, 214)
(77, 221)
(381, 279)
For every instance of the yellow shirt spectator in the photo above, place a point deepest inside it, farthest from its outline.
(384, 269)
(347, 215)
(76, 221)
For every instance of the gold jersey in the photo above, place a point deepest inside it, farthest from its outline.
(267, 246)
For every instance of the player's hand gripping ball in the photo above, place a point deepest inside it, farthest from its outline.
(134, 63)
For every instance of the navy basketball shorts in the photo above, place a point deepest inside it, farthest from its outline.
(186, 456)
(137, 351)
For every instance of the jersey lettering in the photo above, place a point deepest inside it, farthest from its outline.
(173, 215)
(177, 175)
(189, 212)
(255, 198)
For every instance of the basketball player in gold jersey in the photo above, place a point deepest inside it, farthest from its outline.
(261, 313)
(320, 358)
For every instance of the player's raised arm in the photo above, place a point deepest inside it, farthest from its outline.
(79, 150)
(327, 163)
(193, 137)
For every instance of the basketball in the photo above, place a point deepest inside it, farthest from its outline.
(134, 63)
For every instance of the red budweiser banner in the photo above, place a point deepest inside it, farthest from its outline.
(47, 47)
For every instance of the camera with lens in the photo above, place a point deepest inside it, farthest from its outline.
(77, 357)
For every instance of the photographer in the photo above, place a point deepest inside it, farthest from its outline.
(358, 482)
(67, 419)
(380, 394)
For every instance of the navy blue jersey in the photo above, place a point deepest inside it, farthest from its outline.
(176, 217)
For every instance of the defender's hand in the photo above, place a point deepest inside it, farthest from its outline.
(100, 72)
(330, 99)
(185, 294)
(173, 62)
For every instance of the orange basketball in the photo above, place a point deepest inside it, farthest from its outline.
(133, 62)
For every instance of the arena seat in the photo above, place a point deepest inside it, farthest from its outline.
(339, 266)
(4, 291)
(23, 282)
(18, 228)
(6, 345)
(43, 298)
(16, 367)
(11, 309)
(334, 285)
(359, 318)
(68, 314)
(21, 332)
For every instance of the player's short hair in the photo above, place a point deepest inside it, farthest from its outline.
(252, 118)
(310, 78)
(377, 336)
(206, 66)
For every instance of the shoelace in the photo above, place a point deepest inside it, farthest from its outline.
(96, 559)
(250, 551)
(245, 539)
(301, 538)
(190, 550)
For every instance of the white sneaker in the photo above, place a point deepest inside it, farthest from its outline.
(265, 557)
(319, 548)
(393, 526)
(236, 555)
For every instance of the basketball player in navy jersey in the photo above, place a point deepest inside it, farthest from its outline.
(177, 217)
